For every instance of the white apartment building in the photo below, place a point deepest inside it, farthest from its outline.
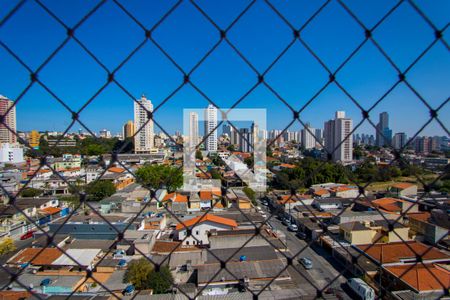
(143, 140)
(307, 137)
(337, 134)
(210, 126)
(193, 129)
(11, 153)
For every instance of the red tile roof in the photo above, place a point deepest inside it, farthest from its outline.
(395, 252)
(51, 210)
(402, 185)
(423, 278)
(116, 170)
(421, 216)
(46, 257)
(207, 218)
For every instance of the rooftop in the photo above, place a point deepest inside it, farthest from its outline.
(423, 278)
(402, 251)
(207, 218)
(36, 256)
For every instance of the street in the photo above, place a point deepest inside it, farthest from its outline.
(321, 273)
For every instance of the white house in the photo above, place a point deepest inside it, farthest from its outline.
(11, 154)
(200, 227)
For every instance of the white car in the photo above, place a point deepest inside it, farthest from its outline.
(293, 227)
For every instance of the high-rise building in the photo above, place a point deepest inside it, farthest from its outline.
(254, 135)
(245, 140)
(308, 139)
(226, 129)
(6, 136)
(106, 134)
(384, 133)
(210, 128)
(427, 144)
(338, 135)
(193, 130)
(34, 139)
(399, 141)
(144, 137)
(128, 129)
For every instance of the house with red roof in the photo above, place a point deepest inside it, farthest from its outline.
(200, 227)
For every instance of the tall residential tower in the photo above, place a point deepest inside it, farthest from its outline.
(144, 138)
(210, 128)
(6, 136)
(338, 137)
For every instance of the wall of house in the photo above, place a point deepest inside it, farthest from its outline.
(200, 232)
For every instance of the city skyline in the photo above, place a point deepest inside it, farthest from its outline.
(296, 77)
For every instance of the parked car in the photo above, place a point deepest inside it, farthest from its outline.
(264, 202)
(129, 290)
(306, 262)
(286, 221)
(27, 235)
(301, 235)
(293, 227)
(361, 288)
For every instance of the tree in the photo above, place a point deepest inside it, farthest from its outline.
(7, 245)
(198, 155)
(231, 148)
(138, 273)
(98, 190)
(160, 176)
(160, 281)
(31, 192)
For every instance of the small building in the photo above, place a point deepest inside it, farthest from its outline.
(200, 228)
(434, 226)
(403, 189)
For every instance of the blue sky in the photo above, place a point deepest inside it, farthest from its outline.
(260, 35)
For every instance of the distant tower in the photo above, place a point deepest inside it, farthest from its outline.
(245, 140)
(128, 129)
(383, 134)
(143, 140)
(193, 130)
(33, 139)
(338, 135)
(6, 136)
(210, 126)
(308, 139)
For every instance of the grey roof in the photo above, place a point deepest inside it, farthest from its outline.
(76, 257)
(115, 281)
(251, 253)
(65, 280)
(104, 245)
(266, 269)
(354, 226)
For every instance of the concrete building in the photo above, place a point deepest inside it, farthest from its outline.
(6, 136)
(245, 140)
(193, 130)
(338, 138)
(383, 134)
(210, 128)
(104, 133)
(308, 139)
(201, 227)
(10, 153)
(399, 141)
(33, 139)
(128, 130)
(143, 140)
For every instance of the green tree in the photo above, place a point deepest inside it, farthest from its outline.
(198, 155)
(215, 174)
(160, 282)
(31, 192)
(7, 245)
(98, 190)
(231, 148)
(138, 273)
(160, 176)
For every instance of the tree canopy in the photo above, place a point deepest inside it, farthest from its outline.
(143, 275)
(7, 245)
(160, 176)
(98, 190)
